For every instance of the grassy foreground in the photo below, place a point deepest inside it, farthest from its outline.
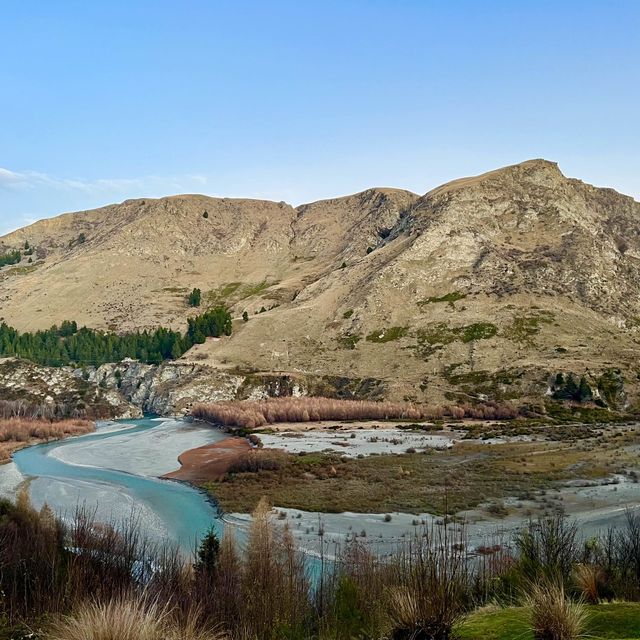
(83, 580)
(619, 621)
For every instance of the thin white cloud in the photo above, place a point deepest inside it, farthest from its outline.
(15, 180)
(10, 178)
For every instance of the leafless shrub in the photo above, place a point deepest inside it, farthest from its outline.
(19, 430)
(433, 586)
(547, 548)
(254, 461)
(44, 411)
(23, 430)
(621, 557)
(357, 591)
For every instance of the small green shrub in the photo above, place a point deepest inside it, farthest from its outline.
(451, 297)
(523, 328)
(195, 298)
(349, 617)
(349, 340)
(387, 335)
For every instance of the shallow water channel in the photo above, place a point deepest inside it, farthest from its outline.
(114, 473)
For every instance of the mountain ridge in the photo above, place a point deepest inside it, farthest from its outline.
(518, 267)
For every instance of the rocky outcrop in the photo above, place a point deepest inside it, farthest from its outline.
(167, 389)
(173, 387)
(61, 391)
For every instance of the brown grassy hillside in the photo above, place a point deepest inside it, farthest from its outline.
(482, 287)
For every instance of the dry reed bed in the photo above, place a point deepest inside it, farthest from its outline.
(248, 414)
(16, 432)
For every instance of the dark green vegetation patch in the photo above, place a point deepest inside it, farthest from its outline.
(523, 328)
(12, 257)
(349, 340)
(439, 334)
(69, 345)
(451, 297)
(387, 335)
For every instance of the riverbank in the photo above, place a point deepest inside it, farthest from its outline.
(496, 480)
(210, 462)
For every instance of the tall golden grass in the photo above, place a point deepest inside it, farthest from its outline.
(553, 615)
(250, 414)
(589, 580)
(131, 618)
(16, 431)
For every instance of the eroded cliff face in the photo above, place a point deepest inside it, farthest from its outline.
(172, 388)
(60, 392)
(167, 389)
(130, 389)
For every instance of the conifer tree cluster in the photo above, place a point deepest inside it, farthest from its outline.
(566, 388)
(12, 257)
(15, 256)
(69, 345)
(214, 323)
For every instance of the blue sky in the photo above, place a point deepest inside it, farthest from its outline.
(103, 101)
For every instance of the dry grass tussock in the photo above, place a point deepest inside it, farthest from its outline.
(589, 580)
(252, 414)
(553, 615)
(129, 619)
(16, 431)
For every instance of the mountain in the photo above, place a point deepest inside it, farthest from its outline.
(483, 287)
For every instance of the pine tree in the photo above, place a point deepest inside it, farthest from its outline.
(208, 552)
(195, 298)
